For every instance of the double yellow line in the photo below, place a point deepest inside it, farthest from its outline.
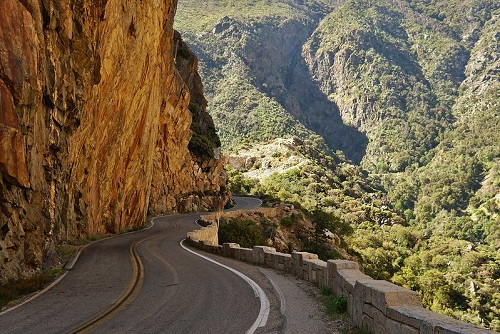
(126, 298)
(133, 289)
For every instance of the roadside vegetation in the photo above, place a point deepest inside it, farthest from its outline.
(336, 309)
(15, 289)
(455, 276)
(419, 79)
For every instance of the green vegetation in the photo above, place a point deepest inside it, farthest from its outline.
(336, 307)
(334, 304)
(204, 140)
(384, 82)
(15, 289)
(244, 232)
(321, 182)
(454, 277)
(337, 304)
(208, 13)
(248, 114)
(318, 242)
(420, 80)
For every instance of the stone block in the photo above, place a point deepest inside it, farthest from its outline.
(394, 327)
(209, 248)
(442, 324)
(298, 262)
(219, 250)
(314, 268)
(284, 261)
(274, 260)
(379, 322)
(228, 248)
(288, 265)
(236, 254)
(280, 267)
(382, 294)
(342, 264)
(307, 270)
(301, 256)
(259, 253)
(246, 254)
(365, 321)
(430, 322)
(268, 258)
(333, 268)
(412, 316)
(369, 310)
(324, 276)
(347, 278)
(354, 309)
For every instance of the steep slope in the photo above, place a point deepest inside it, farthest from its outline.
(362, 59)
(462, 179)
(297, 172)
(407, 89)
(92, 108)
(394, 71)
(255, 75)
(192, 179)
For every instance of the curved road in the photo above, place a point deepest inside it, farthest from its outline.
(143, 282)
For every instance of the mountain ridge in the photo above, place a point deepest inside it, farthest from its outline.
(402, 89)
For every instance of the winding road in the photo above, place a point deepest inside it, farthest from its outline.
(149, 282)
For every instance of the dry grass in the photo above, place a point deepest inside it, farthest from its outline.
(15, 289)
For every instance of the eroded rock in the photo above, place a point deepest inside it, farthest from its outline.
(94, 125)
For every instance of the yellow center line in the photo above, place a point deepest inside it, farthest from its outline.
(126, 298)
(128, 295)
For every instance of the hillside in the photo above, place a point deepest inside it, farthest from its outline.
(256, 90)
(406, 91)
(295, 171)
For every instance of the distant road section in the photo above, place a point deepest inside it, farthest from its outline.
(143, 282)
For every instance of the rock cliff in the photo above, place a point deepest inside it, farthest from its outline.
(94, 124)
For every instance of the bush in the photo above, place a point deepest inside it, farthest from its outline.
(325, 291)
(244, 232)
(336, 304)
(286, 221)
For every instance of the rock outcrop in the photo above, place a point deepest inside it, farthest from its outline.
(94, 125)
(196, 179)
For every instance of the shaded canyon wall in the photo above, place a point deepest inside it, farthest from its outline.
(94, 125)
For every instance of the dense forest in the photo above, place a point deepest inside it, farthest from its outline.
(384, 114)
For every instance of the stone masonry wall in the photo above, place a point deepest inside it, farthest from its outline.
(375, 305)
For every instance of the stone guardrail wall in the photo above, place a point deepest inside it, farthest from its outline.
(375, 305)
(206, 234)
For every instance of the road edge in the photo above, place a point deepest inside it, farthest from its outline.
(264, 301)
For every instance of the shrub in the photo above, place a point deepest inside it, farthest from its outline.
(325, 291)
(286, 221)
(244, 232)
(336, 304)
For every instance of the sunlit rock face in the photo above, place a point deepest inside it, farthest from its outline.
(94, 125)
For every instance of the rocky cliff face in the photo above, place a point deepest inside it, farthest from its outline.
(94, 125)
(195, 179)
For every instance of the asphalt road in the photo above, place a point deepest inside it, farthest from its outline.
(143, 282)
